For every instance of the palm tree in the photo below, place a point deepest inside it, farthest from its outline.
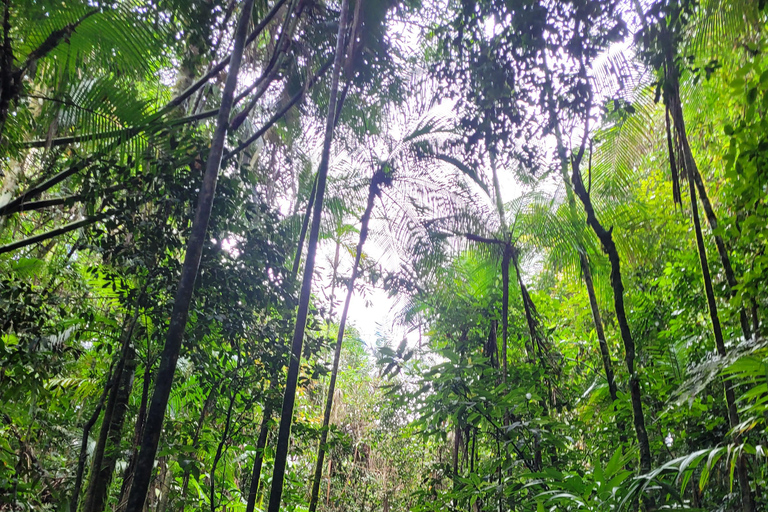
(379, 179)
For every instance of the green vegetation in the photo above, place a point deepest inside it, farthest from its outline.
(565, 202)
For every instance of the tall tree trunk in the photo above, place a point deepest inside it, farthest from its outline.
(505, 259)
(81, 460)
(165, 488)
(220, 448)
(695, 182)
(170, 354)
(286, 416)
(530, 318)
(207, 405)
(373, 191)
(108, 447)
(730, 397)
(304, 226)
(266, 420)
(609, 247)
(605, 353)
(586, 269)
(334, 277)
(674, 103)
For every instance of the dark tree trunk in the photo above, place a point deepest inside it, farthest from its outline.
(505, 259)
(694, 176)
(286, 416)
(730, 397)
(304, 226)
(530, 318)
(605, 353)
(372, 193)
(606, 238)
(207, 405)
(258, 461)
(695, 182)
(82, 459)
(261, 443)
(170, 354)
(220, 448)
(137, 433)
(586, 269)
(108, 447)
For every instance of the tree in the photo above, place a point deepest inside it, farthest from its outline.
(286, 416)
(170, 355)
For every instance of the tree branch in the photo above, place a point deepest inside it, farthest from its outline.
(52, 234)
(51, 42)
(483, 240)
(279, 114)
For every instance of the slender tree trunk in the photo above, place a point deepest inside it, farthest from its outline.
(286, 416)
(675, 106)
(372, 193)
(261, 443)
(586, 269)
(530, 319)
(81, 460)
(609, 246)
(695, 182)
(220, 448)
(730, 397)
(108, 448)
(258, 461)
(605, 353)
(334, 277)
(165, 488)
(207, 405)
(304, 226)
(505, 259)
(455, 453)
(170, 354)
(137, 433)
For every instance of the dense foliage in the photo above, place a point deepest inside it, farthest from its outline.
(383, 256)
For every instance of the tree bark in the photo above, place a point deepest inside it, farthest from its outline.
(220, 448)
(170, 354)
(196, 438)
(108, 448)
(730, 397)
(609, 247)
(82, 459)
(373, 191)
(586, 269)
(695, 183)
(258, 461)
(286, 416)
(505, 260)
(137, 433)
(694, 176)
